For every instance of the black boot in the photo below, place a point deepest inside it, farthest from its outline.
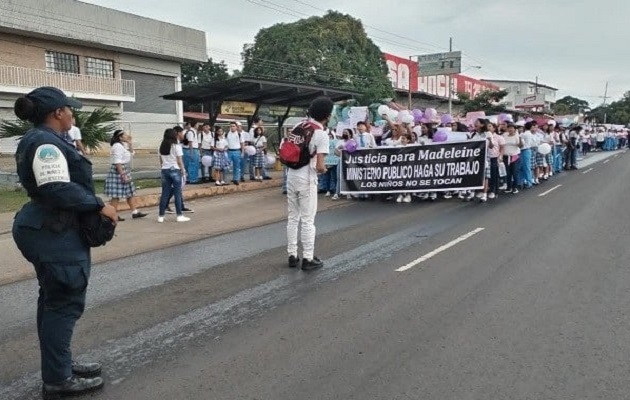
(86, 370)
(71, 387)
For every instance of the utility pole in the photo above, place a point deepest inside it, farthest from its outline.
(450, 81)
(410, 69)
(605, 97)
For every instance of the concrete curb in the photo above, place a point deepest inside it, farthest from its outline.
(192, 192)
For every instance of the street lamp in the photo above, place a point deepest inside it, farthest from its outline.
(450, 87)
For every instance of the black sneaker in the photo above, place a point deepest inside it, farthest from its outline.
(267, 178)
(71, 387)
(86, 370)
(188, 210)
(138, 215)
(169, 210)
(236, 183)
(309, 265)
(294, 261)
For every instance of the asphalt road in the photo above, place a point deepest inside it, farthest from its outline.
(526, 298)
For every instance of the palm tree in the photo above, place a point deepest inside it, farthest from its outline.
(96, 127)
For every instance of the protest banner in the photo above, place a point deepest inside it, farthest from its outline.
(415, 169)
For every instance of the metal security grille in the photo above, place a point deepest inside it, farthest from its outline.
(62, 62)
(99, 67)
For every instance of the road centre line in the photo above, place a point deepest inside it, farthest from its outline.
(439, 250)
(549, 191)
(606, 161)
(588, 170)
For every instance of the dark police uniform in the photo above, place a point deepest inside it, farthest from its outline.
(58, 180)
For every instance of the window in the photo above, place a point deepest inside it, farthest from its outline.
(99, 67)
(62, 62)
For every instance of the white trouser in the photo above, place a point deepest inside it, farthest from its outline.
(302, 200)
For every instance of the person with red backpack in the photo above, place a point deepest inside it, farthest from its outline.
(303, 152)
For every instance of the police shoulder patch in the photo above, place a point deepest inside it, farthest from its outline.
(50, 165)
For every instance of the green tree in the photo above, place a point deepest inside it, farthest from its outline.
(617, 112)
(201, 74)
(96, 127)
(488, 101)
(569, 105)
(332, 50)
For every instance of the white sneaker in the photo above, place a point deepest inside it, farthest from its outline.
(327, 194)
(461, 195)
(448, 195)
(483, 198)
(160, 219)
(424, 196)
(491, 195)
(335, 197)
(480, 194)
(399, 198)
(503, 187)
(222, 182)
(407, 198)
(470, 197)
(181, 218)
(433, 196)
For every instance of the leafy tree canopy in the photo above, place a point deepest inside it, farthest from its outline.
(203, 73)
(332, 50)
(487, 101)
(617, 112)
(569, 105)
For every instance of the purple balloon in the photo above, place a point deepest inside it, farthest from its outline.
(440, 136)
(423, 120)
(446, 119)
(417, 115)
(430, 113)
(351, 146)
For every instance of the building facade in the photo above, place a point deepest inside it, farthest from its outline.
(526, 95)
(103, 57)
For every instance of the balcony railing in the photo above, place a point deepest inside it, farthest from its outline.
(87, 85)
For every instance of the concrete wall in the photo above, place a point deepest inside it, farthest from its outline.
(76, 22)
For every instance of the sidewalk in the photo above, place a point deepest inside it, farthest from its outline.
(212, 217)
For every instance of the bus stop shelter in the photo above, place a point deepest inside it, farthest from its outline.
(257, 91)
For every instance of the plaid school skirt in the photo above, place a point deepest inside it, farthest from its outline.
(115, 188)
(219, 161)
(541, 160)
(259, 159)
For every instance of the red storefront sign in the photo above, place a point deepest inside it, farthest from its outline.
(400, 69)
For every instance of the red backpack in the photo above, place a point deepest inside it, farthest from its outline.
(294, 150)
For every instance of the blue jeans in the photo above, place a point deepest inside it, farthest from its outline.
(191, 162)
(235, 159)
(526, 175)
(244, 163)
(557, 159)
(171, 185)
(328, 181)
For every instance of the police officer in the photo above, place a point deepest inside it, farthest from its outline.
(58, 180)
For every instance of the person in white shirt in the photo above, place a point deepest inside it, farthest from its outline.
(257, 124)
(512, 157)
(236, 149)
(302, 189)
(247, 141)
(118, 183)
(191, 153)
(77, 139)
(220, 161)
(206, 139)
(526, 155)
(173, 172)
(364, 139)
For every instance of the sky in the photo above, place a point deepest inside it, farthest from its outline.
(573, 45)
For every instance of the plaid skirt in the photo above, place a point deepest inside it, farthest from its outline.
(219, 161)
(540, 160)
(259, 159)
(549, 158)
(115, 188)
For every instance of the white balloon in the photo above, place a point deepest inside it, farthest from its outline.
(250, 150)
(270, 160)
(393, 114)
(206, 161)
(407, 119)
(382, 110)
(544, 149)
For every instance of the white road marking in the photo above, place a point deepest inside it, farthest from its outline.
(549, 191)
(439, 250)
(617, 155)
(606, 161)
(588, 170)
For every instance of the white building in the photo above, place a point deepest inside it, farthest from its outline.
(526, 95)
(101, 56)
